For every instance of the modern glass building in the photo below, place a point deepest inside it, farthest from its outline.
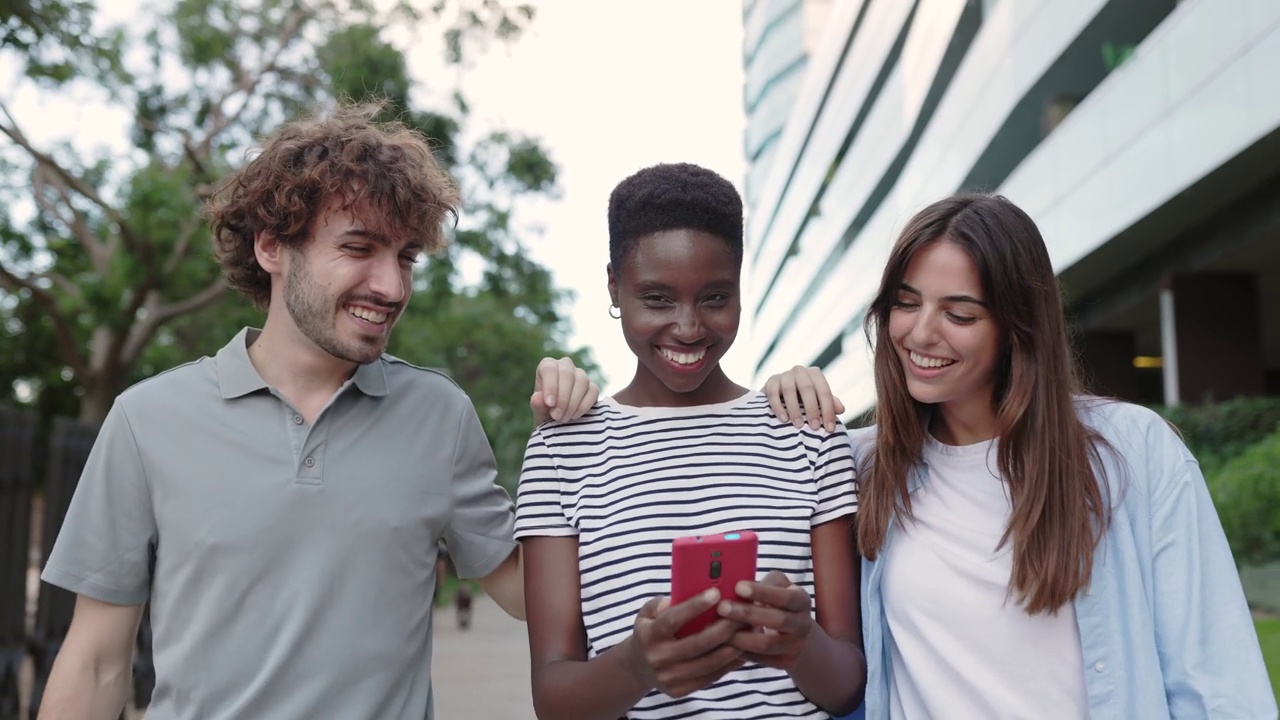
(1142, 135)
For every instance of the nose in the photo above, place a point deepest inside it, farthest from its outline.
(689, 327)
(388, 279)
(924, 331)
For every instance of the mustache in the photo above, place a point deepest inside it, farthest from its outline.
(377, 302)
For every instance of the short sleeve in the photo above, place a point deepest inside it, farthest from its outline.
(539, 510)
(478, 534)
(835, 478)
(104, 548)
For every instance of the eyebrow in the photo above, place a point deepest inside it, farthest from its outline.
(949, 298)
(414, 245)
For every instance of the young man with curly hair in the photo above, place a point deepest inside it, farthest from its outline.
(280, 504)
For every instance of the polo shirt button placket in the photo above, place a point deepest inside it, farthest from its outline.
(309, 462)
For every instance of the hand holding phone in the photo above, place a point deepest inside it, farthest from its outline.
(701, 562)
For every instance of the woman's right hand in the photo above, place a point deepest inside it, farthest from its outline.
(802, 393)
(679, 666)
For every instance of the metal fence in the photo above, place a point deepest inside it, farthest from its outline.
(23, 448)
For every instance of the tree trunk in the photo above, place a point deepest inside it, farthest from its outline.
(97, 399)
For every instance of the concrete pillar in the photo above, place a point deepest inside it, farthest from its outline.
(1107, 363)
(1211, 333)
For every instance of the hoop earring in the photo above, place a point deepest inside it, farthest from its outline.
(615, 307)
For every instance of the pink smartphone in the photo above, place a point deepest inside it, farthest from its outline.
(706, 561)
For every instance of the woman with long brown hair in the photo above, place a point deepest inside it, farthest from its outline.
(1029, 551)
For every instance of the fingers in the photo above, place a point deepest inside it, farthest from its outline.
(773, 391)
(675, 617)
(775, 591)
(547, 381)
(578, 388)
(562, 391)
(682, 678)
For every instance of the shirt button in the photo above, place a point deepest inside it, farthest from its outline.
(1100, 666)
(311, 462)
(297, 419)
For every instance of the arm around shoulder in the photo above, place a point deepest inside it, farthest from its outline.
(91, 675)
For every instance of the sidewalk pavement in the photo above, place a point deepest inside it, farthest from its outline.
(481, 673)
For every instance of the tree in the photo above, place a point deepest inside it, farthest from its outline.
(108, 277)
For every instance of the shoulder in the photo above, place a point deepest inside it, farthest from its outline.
(178, 382)
(1132, 429)
(408, 381)
(863, 441)
(1142, 454)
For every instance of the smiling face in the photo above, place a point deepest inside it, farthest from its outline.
(943, 332)
(346, 287)
(677, 291)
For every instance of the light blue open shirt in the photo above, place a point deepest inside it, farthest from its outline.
(1164, 627)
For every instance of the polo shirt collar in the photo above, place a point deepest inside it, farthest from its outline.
(238, 377)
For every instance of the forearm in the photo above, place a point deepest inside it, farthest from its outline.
(82, 689)
(506, 584)
(605, 687)
(831, 672)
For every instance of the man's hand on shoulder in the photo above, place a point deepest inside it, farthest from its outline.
(561, 391)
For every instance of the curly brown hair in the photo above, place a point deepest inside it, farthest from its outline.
(383, 169)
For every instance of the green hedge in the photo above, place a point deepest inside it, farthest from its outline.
(1246, 492)
(1219, 431)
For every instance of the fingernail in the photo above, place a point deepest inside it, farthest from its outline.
(555, 413)
(831, 428)
(726, 608)
(744, 589)
(783, 417)
(550, 400)
(711, 595)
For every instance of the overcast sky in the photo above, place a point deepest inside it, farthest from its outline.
(609, 86)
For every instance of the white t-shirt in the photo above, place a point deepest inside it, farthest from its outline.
(627, 481)
(962, 645)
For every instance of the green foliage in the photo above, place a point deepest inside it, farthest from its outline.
(1246, 493)
(1217, 431)
(112, 279)
(1269, 639)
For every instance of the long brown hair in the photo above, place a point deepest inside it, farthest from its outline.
(1060, 507)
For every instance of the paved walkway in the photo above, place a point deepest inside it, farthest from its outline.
(481, 673)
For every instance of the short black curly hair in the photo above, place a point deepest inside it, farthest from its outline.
(673, 197)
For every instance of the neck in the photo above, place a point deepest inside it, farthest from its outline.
(645, 390)
(291, 363)
(963, 423)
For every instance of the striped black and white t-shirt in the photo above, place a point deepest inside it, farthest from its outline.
(626, 481)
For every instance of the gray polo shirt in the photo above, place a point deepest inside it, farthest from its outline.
(293, 564)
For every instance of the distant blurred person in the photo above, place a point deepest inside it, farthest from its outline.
(280, 504)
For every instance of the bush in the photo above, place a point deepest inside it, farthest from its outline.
(1222, 430)
(1246, 492)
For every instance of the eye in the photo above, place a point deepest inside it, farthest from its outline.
(904, 304)
(654, 299)
(409, 258)
(718, 298)
(356, 248)
(961, 319)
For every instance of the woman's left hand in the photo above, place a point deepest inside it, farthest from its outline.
(778, 617)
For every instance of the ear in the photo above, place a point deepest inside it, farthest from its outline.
(269, 252)
(613, 284)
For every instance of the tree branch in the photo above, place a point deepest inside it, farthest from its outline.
(76, 184)
(61, 325)
(247, 83)
(77, 223)
(158, 315)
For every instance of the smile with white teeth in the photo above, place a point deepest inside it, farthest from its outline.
(376, 318)
(683, 358)
(928, 362)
